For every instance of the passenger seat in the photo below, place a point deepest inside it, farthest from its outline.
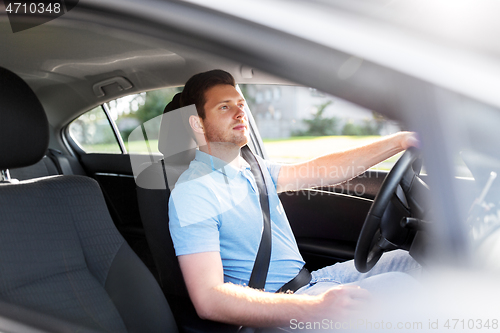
(60, 254)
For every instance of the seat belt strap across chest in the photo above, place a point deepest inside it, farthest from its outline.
(261, 266)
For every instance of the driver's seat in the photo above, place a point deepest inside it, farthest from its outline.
(154, 184)
(60, 253)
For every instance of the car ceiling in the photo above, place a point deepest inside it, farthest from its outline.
(61, 61)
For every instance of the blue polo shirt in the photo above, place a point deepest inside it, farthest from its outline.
(215, 207)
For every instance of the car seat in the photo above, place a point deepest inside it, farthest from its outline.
(153, 191)
(60, 253)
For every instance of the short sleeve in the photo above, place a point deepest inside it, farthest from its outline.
(194, 219)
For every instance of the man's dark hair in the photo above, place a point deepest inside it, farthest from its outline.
(197, 85)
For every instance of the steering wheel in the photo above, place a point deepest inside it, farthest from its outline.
(379, 232)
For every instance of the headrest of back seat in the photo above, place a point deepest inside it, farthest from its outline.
(24, 130)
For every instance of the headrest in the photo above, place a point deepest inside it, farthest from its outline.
(24, 130)
(175, 103)
(174, 137)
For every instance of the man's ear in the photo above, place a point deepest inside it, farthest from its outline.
(196, 124)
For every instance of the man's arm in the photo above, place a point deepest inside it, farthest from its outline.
(234, 304)
(338, 167)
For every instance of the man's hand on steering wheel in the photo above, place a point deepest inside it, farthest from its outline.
(410, 139)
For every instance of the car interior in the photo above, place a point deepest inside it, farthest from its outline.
(85, 244)
(139, 217)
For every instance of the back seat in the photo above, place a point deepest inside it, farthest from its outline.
(53, 163)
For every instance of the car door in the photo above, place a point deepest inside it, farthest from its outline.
(327, 221)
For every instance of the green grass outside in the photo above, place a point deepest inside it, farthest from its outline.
(108, 148)
(132, 147)
(334, 137)
(284, 150)
(141, 147)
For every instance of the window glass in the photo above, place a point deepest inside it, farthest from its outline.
(301, 123)
(132, 111)
(93, 133)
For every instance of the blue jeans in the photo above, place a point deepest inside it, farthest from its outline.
(394, 270)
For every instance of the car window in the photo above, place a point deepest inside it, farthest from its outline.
(296, 124)
(299, 123)
(132, 111)
(92, 131)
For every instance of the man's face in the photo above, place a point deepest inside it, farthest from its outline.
(225, 120)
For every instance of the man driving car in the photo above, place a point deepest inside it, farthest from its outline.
(216, 220)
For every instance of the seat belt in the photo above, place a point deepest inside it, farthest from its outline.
(263, 258)
(61, 162)
(261, 265)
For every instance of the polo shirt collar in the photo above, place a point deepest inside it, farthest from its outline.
(219, 165)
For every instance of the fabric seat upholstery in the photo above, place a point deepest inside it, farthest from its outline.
(60, 253)
(44, 167)
(49, 165)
